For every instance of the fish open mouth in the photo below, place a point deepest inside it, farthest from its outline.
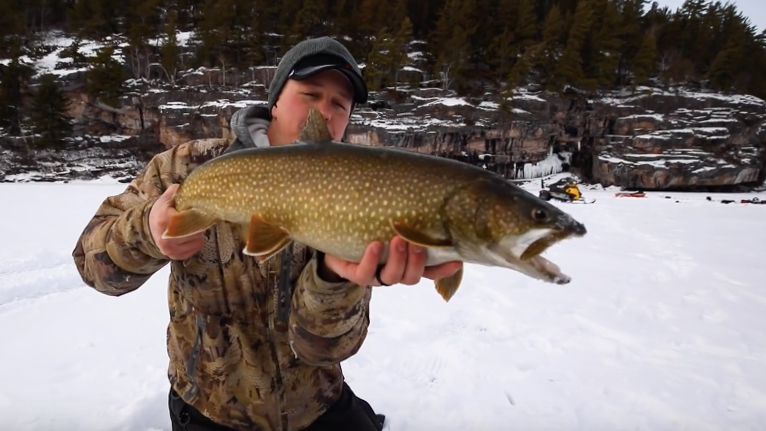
(538, 242)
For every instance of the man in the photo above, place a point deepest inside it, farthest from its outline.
(253, 346)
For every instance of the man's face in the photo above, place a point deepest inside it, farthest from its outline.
(330, 91)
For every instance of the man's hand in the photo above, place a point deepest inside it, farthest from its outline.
(406, 264)
(159, 216)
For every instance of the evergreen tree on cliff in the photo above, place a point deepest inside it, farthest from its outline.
(601, 53)
(48, 114)
(568, 69)
(644, 62)
(451, 43)
(14, 81)
(106, 77)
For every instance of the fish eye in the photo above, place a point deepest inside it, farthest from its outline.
(539, 214)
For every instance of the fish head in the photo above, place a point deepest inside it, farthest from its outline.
(513, 227)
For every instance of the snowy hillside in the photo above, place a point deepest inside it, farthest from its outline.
(660, 329)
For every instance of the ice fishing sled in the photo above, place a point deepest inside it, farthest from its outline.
(630, 194)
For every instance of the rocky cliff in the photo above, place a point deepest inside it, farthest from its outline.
(647, 138)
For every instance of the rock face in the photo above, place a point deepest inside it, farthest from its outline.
(690, 141)
(650, 139)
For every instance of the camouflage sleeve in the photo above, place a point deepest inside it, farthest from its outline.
(115, 253)
(328, 322)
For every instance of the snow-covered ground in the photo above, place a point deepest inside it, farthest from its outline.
(662, 328)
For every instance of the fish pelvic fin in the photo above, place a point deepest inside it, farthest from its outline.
(315, 130)
(419, 238)
(264, 239)
(187, 223)
(448, 286)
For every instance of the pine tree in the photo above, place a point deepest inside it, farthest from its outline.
(398, 14)
(95, 19)
(644, 63)
(370, 22)
(568, 70)
(541, 58)
(379, 61)
(309, 22)
(106, 77)
(399, 48)
(72, 52)
(11, 25)
(14, 80)
(214, 30)
(525, 31)
(631, 36)
(251, 43)
(387, 56)
(268, 12)
(48, 113)
(501, 54)
(169, 48)
(451, 43)
(601, 55)
(726, 64)
(142, 23)
(243, 48)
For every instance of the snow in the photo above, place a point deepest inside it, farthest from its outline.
(446, 101)
(113, 138)
(222, 103)
(658, 330)
(639, 117)
(60, 41)
(734, 99)
(661, 328)
(489, 106)
(660, 162)
(526, 96)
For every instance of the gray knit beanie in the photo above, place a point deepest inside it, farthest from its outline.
(313, 56)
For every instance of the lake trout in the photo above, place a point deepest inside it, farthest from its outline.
(338, 198)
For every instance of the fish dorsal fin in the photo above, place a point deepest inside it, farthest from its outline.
(315, 129)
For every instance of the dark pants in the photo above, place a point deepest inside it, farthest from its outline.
(349, 413)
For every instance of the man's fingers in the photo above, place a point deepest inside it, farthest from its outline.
(396, 262)
(367, 267)
(185, 250)
(166, 202)
(416, 263)
(170, 192)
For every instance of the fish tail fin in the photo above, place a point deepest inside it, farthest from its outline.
(187, 223)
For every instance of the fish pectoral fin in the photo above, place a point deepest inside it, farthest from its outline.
(448, 286)
(187, 223)
(264, 257)
(419, 238)
(265, 239)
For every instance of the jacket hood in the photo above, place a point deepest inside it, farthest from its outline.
(250, 125)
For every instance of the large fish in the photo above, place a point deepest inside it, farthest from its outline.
(338, 198)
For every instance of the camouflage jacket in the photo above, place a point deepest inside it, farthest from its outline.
(227, 357)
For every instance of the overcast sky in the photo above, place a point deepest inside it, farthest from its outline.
(753, 9)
